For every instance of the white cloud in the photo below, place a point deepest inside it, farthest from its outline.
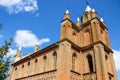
(16, 6)
(11, 52)
(117, 59)
(28, 39)
(41, 41)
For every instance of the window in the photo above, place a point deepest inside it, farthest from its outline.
(110, 78)
(23, 66)
(106, 57)
(28, 63)
(74, 37)
(36, 60)
(45, 62)
(90, 63)
(35, 66)
(87, 37)
(73, 61)
(55, 60)
(15, 68)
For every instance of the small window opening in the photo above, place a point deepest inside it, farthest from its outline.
(23, 66)
(28, 63)
(73, 62)
(89, 58)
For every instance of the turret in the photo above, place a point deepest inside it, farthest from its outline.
(67, 15)
(101, 19)
(88, 14)
(36, 48)
(18, 54)
(78, 23)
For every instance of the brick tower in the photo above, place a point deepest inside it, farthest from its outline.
(91, 35)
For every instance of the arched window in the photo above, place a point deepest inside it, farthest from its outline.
(45, 62)
(54, 60)
(110, 78)
(90, 63)
(74, 37)
(36, 60)
(29, 63)
(23, 66)
(73, 61)
(87, 37)
(35, 65)
(106, 57)
(64, 29)
(15, 68)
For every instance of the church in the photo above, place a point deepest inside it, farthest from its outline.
(82, 53)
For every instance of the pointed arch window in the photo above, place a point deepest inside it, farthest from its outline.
(74, 37)
(45, 63)
(87, 37)
(73, 61)
(90, 63)
(54, 60)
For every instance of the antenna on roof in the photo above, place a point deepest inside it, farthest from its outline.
(87, 3)
(88, 8)
(67, 8)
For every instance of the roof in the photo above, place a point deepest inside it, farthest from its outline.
(56, 45)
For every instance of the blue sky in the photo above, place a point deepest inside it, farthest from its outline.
(41, 20)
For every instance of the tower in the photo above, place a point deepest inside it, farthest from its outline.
(18, 54)
(91, 35)
(36, 48)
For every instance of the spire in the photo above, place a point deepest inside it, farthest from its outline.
(18, 54)
(93, 10)
(36, 48)
(20, 47)
(101, 19)
(67, 15)
(67, 12)
(78, 22)
(78, 19)
(88, 8)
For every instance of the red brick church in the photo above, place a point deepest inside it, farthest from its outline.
(83, 53)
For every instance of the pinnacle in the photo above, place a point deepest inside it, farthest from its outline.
(88, 8)
(101, 19)
(20, 47)
(78, 19)
(93, 10)
(67, 12)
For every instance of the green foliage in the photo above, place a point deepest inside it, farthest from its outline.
(4, 61)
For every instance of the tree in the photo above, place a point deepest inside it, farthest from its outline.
(4, 62)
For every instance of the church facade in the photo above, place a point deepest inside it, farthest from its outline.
(83, 53)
